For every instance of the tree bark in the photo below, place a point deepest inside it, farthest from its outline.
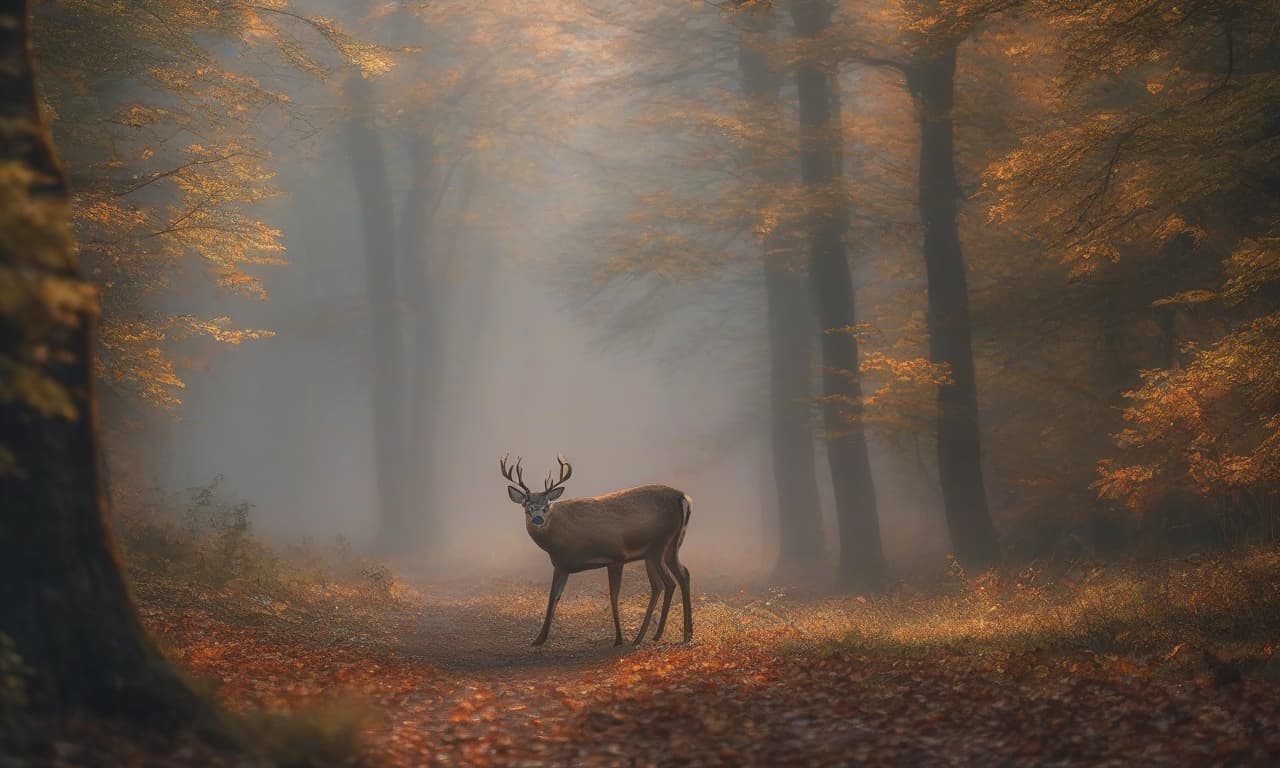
(861, 563)
(791, 337)
(63, 599)
(396, 532)
(973, 537)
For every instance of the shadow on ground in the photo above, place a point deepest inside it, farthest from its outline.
(489, 626)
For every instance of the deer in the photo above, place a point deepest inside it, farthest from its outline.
(644, 523)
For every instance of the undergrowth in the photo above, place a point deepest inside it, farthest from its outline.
(205, 536)
(1228, 604)
(194, 557)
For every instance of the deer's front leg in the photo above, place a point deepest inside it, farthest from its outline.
(615, 584)
(558, 580)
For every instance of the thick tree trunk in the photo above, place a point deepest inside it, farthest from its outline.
(397, 532)
(821, 171)
(792, 327)
(62, 597)
(791, 335)
(973, 537)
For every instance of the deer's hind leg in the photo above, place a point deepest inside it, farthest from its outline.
(655, 586)
(615, 585)
(669, 590)
(682, 576)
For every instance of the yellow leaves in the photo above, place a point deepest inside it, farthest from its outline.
(136, 354)
(29, 385)
(1187, 297)
(1253, 266)
(1087, 258)
(33, 230)
(1174, 226)
(913, 371)
(1207, 428)
(137, 115)
(1127, 484)
(219, 329)
(66, 299)
(862, 330)
(38, 292)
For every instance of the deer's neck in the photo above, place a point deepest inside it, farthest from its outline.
(541, 534)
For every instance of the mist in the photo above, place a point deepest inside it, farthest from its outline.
(903, 374)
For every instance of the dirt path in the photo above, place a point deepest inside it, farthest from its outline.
(450, 679)
(745, 694)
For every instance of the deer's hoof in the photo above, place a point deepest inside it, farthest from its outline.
(538, 641)
(617, 641)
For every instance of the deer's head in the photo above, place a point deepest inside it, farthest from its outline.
(536, 505)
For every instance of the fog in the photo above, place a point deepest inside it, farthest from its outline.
(648, 382)
(286, 419)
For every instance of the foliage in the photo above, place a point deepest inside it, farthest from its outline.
(1158, 164)
(204, 536)
(1210, 429)
(1079, 667)
(39, 296)
(166, 135)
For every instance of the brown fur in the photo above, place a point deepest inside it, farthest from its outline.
(619, 527)
(645, 523)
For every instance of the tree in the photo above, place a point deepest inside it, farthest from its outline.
(62, 598)
(822, 172)
(1162, 170)
(368, 158)
(931, 78)
(170, 134)
(790, 316)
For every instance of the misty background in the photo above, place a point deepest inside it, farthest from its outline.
(663, 382)
(522, 374)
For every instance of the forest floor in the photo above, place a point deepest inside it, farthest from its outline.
(1168, 665)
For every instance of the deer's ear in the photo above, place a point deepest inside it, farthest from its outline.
(516, 494)
(554, 494)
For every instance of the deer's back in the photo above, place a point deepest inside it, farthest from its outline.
(623, 525)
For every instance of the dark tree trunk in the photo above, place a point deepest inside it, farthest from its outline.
(792, 327)
(397, 532)
(973, 537)
(63, 600)
(791, 335)
(821, 171)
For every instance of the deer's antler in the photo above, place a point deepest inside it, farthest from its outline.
(519, 473)
(566, 472)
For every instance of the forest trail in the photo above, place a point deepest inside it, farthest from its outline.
(446, 676)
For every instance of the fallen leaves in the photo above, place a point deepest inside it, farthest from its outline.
(447, 678)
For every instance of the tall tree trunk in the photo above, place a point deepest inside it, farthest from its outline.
(791, 339)
(821, 171)
(397, 532)
(791, 333)
(415, 227)
(63, 600)
(973, 537)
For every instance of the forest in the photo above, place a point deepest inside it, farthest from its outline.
(906, 374)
